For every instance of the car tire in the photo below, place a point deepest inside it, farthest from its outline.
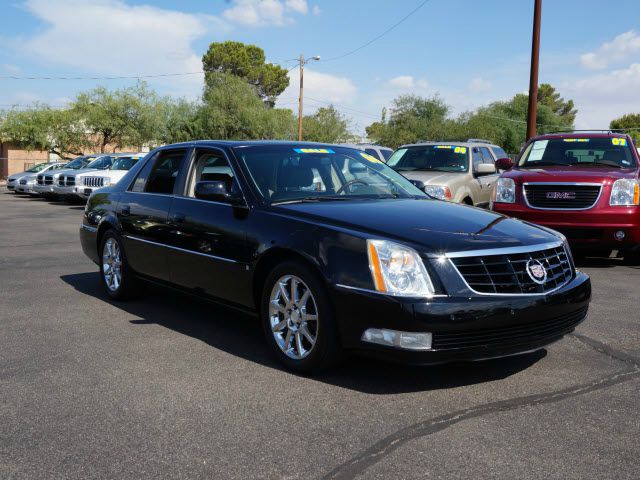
(116, 277)
(298, 319)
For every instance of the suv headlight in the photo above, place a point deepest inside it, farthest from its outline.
(438, 191)
(505, 191)
(625, 192)
(398, 270)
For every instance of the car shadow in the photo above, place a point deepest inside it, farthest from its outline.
(241, 335)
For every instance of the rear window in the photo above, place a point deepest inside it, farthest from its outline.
(608, 151)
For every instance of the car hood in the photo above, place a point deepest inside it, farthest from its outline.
(434, 178)
(57, 173)
(570, 174)
(434, 226)
(85, 171)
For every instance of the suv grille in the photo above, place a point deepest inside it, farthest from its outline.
(548, 328)
(48, 180)
(510, 274)
(563, 197)
(93, 181)
(40, 179)
(67, 180)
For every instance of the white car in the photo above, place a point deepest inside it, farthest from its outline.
(86, 183)
(66, 186)
(26, 184)
(13, 180)
(46, 181)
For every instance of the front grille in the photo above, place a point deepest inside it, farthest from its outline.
(93, 181)
(40, 179)
(61, 180)
(70, 181)
(563, 197)
(492, 337)
(23, 182)
(509, 273)
(48, 180)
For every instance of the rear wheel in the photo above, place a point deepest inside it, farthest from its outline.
(298, 320)
(116, 275)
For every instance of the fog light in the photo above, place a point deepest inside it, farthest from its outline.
(394, 338)
(620, 235)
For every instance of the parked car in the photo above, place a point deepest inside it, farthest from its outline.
(585, 185)
(88, 181)
(373, 149)
(26, 184)
(65, 186)
(12, 180)
(362, 261)
(46, 181)
(460, 172)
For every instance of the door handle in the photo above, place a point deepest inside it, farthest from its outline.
(177, 218)
(125, 210)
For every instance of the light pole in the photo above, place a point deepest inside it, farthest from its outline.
(302, 63)
(532, 112)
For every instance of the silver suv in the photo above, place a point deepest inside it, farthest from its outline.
(461, 172)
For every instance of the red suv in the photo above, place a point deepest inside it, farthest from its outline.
(584, 185)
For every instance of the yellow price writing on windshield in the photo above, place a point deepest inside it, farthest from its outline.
(619, 141)
(371, 158)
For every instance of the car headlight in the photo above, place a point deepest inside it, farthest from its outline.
(505, 191)
(625, 192)
(398, 270)
(438, 191)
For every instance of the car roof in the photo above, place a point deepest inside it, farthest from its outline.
(594, 134)
(460, 143)
(252, 143)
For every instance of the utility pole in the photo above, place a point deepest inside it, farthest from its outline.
(300, 98)
(532, 112)
(302, 64)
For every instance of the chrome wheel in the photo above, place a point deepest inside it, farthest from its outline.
(293, 316)
(112, 264)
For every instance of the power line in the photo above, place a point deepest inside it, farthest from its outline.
(107, 77)
(374, 39)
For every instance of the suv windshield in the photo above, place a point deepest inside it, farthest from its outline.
(124, 163)
(289, 174)
(77, 163)
(37, 168)
(441, 158)
(101, 163)
(608, 151)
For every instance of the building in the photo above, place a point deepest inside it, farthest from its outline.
(14, 159)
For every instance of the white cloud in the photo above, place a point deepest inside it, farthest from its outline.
(622, 47)
(12, 69)
(257, 13)
(319, 89)
(126, 40)
(406, 82)
(316, 10)
(478, 85)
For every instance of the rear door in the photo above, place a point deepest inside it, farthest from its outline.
(209, 251)
(143, 212)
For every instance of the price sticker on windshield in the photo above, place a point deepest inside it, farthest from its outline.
(461, 150)
(579, 140)
(370, 158)
(622, 142)
(444, 147)
(313, 150)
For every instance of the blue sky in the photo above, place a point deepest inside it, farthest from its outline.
(469, 52)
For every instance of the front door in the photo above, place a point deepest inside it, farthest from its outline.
(208, 251)
(143, 211)
(486, 182)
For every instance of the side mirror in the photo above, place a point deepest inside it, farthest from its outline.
(485, 169)
(216, 191)
(504, 163)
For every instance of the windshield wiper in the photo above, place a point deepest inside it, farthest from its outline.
(598, 164)
(316, 198)
(547, 163)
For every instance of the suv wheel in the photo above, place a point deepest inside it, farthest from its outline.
(298, 320)
(115, 274)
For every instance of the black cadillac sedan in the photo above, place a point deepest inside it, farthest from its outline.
(334, 251)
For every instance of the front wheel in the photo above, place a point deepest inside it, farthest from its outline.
(116, 276)
(298, 320)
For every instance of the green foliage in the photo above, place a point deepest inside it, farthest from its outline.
(246, 62)
(630, 123)
(326, 125)
(548, 96)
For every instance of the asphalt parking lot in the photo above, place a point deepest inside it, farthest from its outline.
(171, 387)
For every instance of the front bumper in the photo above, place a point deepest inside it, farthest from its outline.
(66, 190)
(592, 228)
(43, 189)
(28, 188)
(465, 328)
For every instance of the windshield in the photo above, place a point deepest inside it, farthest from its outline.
(614, 152)
(101, 163)
(37, 168)
(288, 173)
(440, 158)
(124, 163)
(77, 163)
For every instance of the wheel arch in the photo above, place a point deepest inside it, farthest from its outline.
(107, 223)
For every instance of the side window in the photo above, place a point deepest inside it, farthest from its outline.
(486, 154)
(387, 154)
(160, 172)
(372, 152)
(211, 166)
(477, 156)
(499, 152)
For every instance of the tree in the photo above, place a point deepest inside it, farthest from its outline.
(548, 96)
(630, 123)
(326, 125)
(248, 63)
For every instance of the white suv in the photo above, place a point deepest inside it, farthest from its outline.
(88, 182)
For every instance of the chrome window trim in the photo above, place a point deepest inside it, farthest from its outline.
(579, 184)
(215, 257)
(387, 294)
(506, 251)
